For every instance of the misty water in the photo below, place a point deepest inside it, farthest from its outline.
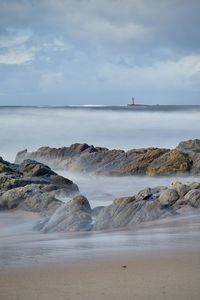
(112, 127)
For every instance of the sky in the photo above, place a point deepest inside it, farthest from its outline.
(71, 52)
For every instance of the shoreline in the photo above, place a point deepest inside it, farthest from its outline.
(164, 276)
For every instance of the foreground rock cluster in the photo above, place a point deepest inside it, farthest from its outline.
(147, 205)
(185, 159)
(32, 186)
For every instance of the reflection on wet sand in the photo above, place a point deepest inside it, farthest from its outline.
(21, 246)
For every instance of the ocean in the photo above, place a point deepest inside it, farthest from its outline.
(113, 127)
(116, 127)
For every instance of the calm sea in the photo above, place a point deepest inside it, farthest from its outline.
(112, 127)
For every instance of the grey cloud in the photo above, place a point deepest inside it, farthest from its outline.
(99, 47)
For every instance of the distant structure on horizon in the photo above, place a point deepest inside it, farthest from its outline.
(133, 104)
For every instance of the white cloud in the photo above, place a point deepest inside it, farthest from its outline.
(17, 56)
(162, 75)
(13, 47)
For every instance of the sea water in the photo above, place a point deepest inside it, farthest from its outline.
(112, 127)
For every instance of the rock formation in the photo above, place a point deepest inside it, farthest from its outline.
(185, 159)
(147, 205)
(32, 186)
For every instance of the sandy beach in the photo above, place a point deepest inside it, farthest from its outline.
(169, 276)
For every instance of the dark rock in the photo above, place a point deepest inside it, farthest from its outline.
(32, 168)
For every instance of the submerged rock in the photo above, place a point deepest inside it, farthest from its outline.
(146, 161)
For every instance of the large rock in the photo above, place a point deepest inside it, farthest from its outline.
(98, 160)
(29, 198)
(191, 146)
(130, 213)
(180, 188)
(147, 205)
(193, 197)
(172, 162)
(76, 215)
(168, 197)
(32, 168)
(32, 186)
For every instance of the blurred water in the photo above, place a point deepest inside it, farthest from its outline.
(102, 190)
(24, 248)
(113, 127)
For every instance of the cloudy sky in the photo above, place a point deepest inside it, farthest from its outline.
(58, 52)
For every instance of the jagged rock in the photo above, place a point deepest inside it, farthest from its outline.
(191, 147)
(32, 186)
(168, 197)
(181, 188)
(76, 215)
(32, 168)
(193, 185)
(196, 164)
(30, 198)
(98, 160)
(193, 197)
(147, 205)
(172, 162)
(129, 214)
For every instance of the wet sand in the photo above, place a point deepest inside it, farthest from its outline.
(168, 276)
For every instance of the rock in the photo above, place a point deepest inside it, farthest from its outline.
(181, 188)
(123, 200)
(32, 186)
(196, 164)
(129, 214)
(76, 215)
(7, 167)
(147, 205)
(193, 185)
(29, 198)
(193, 198)
(99, 160)
(32, 168)
(168, 197)
(96, 210)
(172, 162)
(191, 146)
